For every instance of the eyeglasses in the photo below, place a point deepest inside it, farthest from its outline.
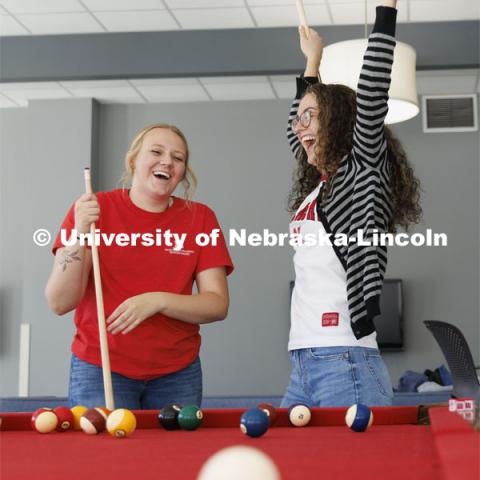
(304, 119)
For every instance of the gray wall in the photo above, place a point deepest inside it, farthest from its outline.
(44, 149)
(244, 167)
(12, 172)
(440, 283)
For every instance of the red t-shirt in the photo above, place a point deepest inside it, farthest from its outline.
(160, 344)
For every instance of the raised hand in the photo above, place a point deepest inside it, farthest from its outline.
(311, 45)
(312, 48)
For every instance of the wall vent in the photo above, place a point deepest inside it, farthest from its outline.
(450, 113)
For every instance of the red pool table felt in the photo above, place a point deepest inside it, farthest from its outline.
(395, 447)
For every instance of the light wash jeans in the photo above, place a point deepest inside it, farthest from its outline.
(86, 387)
(338, 376)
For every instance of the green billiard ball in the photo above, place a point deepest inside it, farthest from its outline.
(190, 417)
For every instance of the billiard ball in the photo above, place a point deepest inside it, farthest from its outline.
(106, 411)
(270, 411)
(78, 411)
(121, 423)
(44, 420)
(239, 462)
(254, 422)
(65, 418)
(190, 417)
(358, 417)
(93, 421)
(299, 415)
(168, 417)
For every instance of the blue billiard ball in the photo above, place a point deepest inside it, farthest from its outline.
(359, 417)
(254, 422)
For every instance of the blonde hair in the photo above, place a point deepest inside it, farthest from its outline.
(189, 180)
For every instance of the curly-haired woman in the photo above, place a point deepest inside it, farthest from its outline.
(352, 178)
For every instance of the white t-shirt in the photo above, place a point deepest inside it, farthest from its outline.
(319, 308)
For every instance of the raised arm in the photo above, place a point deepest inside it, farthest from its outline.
(312, 49)
(373, 85)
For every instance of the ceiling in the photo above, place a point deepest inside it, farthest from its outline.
(208, 89)
(49, 17)
(44, 17)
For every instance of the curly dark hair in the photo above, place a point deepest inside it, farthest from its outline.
(334, 139)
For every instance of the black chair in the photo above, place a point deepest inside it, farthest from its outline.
(459, 358)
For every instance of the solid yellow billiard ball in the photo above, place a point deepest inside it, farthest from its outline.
(78, 411)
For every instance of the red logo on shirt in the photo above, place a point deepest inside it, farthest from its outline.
(330, 319)
(307, 212)
(186, 253)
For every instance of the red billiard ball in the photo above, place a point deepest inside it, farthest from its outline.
(65, 418)
(270, 411)
(44, 420)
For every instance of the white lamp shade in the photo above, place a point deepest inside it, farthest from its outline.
(342, 62)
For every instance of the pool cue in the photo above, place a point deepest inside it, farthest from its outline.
(301, 15)
(102, 329)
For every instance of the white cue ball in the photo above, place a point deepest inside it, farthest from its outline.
(239, 462)
(299, 415)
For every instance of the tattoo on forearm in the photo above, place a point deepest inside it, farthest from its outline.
(68, 257)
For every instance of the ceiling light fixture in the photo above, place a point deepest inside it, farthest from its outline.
(342, 62)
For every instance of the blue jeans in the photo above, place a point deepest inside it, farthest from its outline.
(338, 376)
(86, 387)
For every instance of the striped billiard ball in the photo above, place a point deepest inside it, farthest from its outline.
(44, 420)
(358, 417)
(121, 423)
(94, 421)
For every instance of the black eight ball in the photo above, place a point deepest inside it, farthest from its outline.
(168, 417)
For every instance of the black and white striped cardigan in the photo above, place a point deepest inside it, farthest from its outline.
(360, 195)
